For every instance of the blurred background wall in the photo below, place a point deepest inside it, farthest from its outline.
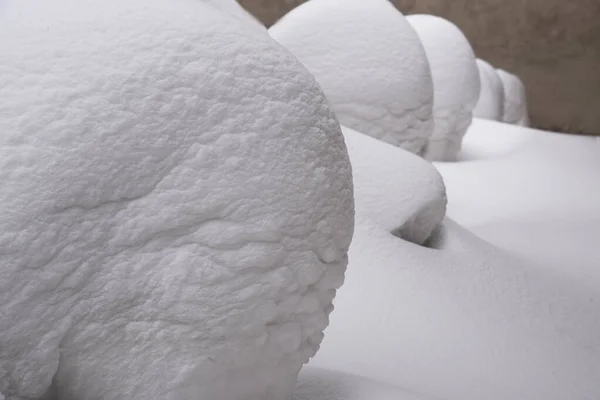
(553, 45)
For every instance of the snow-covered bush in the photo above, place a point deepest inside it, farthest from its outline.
(175, 204)
(370, 64)
(491, 96)
(515, 99)
(455, 82)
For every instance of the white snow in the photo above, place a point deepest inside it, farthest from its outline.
(462, 319)
(515, 99)
(370, 63)
(533, 193)
(455, 81)
(491, 96)
(175, 204)
(321, 384)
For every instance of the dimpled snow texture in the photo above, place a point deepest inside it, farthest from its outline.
(515, 99)
(176, 204)
(370, 64)
(491, 96)
(455, 82)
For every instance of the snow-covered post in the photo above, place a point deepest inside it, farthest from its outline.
(455, 82)
(515, 99)
(370, 64)
(176, 204)
(491, 97)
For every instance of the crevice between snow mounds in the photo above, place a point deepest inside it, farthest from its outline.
(369, 62)
(422, 226)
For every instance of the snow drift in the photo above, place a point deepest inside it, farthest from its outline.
(321, 384)
(491, 96)
(455, 82)
(175, 204)
(370, 64)
(515, 99)
(458, 318)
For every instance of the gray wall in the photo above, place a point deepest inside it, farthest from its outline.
(553, 45)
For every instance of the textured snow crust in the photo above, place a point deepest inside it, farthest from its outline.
(370, 64)
(175, 204)
(234, 8)
(515, 99)
(491, 96)
(455, 81)
(461, 318)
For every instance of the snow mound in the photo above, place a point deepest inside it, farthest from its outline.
(321, 384)
(491, 96)
(458, 318)
(370, 64)
(411, 215)
(515, 99)
(175, 204)
(455, 81)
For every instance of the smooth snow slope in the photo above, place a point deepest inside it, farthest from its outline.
(491, 97)
(370, 63)
(515, 99)
(321, 384)
(175, 204)
(533, 193)
(455, 81)
(462, 320)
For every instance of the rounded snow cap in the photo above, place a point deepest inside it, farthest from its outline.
(370, 63)
(515, 99)
(455, 81)
(491, 96)
(176, 204)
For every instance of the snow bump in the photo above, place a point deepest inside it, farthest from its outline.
(370, 63)
(491, 97)
(455, 81)
(169, 176)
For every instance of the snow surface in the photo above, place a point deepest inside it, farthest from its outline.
(533, 193)
(455, 81)
(491, 96)
(515, 99)
(175, 204)
(321, 384)
(370, 63)
(460, 319)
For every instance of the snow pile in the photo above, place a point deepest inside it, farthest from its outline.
(491, 96)
(321, 384)
(370, 64)
(455, 81)
(175, 204)
(515, 99)
(459, 319)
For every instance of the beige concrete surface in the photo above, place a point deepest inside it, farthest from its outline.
(553, 45)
